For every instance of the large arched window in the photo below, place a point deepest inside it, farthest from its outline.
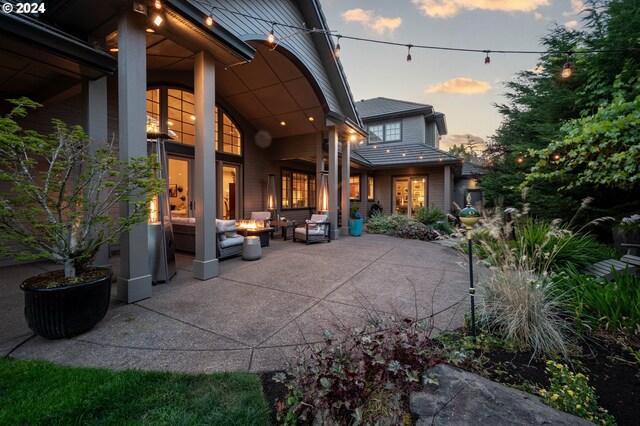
(178, 107)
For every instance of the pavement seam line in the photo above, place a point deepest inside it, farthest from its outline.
(15, 348)
(324, 297)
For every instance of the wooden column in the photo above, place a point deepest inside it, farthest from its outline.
(447, 189)
(205, 265)
(134, 282)
(333, 182)
(94, 97)
(344, 205)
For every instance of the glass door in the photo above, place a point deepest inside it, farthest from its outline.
(230, 195)
(418, 193)
(410, 194)
(180, 187)
(402, 195)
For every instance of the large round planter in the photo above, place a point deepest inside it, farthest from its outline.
(66, 311)
(355, 227)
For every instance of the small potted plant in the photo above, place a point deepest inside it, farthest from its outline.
(58, 194)
(355, 222)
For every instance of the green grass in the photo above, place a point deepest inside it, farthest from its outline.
(41, 393)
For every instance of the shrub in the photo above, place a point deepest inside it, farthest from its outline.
(612, 306)
(522, 307)
(380, 223)
(572, 394)
(443, 227)
(417, 231)
(360, 378)
(430, 215)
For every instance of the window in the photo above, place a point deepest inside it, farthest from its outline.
(354, 188)
(388, 132)
(179, 108)
(298, 190)
(370, 193)
(376, 133)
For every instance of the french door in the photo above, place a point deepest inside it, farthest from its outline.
(410, 194)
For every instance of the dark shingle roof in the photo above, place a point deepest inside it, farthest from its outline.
(378, 107)
(469, 169)
(377, 155)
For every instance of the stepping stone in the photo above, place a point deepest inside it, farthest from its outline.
(463, 398)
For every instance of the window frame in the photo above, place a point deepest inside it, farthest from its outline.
(384, 132)
(311, 190)
(371, 188)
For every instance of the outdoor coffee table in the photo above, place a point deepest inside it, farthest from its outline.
(284, 225)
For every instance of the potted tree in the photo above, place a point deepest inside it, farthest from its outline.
(355, 222)
(58, 193)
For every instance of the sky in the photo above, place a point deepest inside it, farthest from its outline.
(458, 84)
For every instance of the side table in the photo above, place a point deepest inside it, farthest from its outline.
(251, 248)
(284, 226)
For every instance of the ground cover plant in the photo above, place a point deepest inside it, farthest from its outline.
(363, 377)
(41, 393)
(402, 226)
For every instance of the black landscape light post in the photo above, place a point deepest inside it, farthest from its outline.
(469, 217)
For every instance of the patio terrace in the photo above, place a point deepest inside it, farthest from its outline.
(255, 314)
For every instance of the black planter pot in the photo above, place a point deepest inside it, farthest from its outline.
(66, 311)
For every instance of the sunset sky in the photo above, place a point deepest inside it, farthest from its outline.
(457, 84)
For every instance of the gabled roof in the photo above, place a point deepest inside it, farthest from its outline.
(381, 156)
(469, 170)
(377, 108)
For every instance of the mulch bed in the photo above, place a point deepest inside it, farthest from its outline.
(611, 371)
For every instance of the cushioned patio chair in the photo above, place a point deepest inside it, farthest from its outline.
(315, 230)
(228, 241)
(265, 217)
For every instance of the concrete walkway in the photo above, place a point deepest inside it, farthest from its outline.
(255, 314)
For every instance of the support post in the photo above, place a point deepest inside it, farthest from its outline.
(134, 282)
(205, 264)
(346, 187)
(94, 97)
(447, 189)
(319, 160)
(333, 183)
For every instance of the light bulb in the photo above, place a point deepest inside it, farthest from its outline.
(157, 20)
(271, 38)
(209, 21)
(157, 4)
(566, 70)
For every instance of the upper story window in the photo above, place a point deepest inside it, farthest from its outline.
(387, 132)
(179, 108)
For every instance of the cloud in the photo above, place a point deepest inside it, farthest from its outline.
(577, 6)
(538, 16)
(367, 18)
(460, 85)
(449, 8)
(571, 24)
(448, 141)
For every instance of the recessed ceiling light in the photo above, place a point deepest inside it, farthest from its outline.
(352, 138)
(283, 123)
(113, 49)
(157, 20)
(311, 118)
(150, 30)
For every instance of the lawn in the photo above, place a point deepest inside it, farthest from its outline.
(39, 393)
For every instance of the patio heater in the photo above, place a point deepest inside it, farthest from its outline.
(272, 200)
(469, 216)
(323, 193)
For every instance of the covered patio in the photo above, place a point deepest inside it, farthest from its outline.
(255, 314)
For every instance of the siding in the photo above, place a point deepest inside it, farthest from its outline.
(284, 11)
(431, 138)
(413, 130)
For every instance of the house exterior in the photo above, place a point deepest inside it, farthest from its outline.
(399, 166)
(468, 183)
(237, 104)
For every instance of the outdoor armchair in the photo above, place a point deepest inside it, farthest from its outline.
(315, 230)
(228, 241)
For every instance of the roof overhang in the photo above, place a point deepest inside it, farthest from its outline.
(426, 111)
(44, 44)
(345, 124)
(186, 22)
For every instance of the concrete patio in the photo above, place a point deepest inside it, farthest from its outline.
(255, 314)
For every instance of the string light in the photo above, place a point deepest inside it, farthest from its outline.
(209, 21)
(566, 68)
(487, 60)
(271, 38)
(409, 52)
